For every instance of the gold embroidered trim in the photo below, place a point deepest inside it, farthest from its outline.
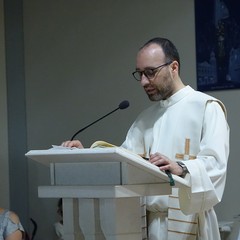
(176, 220)
(187, 233)
(171, 196)
(186, 155)
(177, 209)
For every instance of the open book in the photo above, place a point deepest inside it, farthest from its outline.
(104, 144)
(101, 144)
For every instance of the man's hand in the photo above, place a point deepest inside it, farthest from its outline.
(164, 163)
(74, 143)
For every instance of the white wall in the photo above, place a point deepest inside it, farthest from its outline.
(79, 56)
(4, 180)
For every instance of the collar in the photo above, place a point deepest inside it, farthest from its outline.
(176, 97)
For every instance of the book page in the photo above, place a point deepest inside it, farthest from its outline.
(101, 144)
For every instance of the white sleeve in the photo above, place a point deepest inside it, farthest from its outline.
(208, 171)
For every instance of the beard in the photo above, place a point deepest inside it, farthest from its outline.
(161, 88)
(155, 97)
(161, 94)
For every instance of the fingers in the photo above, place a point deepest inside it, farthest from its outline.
(74, 143)
(163, 162)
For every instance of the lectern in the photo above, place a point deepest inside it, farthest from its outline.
(103, 190)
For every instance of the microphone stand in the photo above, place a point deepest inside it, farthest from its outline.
(93, 123)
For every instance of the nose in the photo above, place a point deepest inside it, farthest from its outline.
(144, 80)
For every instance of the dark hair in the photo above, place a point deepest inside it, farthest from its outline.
(59, 202)
(169, 49)
(59, 207)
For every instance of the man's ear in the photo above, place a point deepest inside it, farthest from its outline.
(174, 66)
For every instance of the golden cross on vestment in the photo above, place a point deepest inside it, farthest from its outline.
(186, 155)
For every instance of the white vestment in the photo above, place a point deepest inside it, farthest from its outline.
(164, 128)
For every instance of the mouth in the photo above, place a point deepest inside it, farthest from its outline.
(150, 91)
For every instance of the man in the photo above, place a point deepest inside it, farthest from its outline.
(184, 132)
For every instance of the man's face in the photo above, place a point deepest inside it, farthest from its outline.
(161, 84)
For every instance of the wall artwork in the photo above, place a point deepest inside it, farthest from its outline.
(217, 44)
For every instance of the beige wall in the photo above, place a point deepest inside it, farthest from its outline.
(4, 181)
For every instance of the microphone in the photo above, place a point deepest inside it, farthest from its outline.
(122, 105)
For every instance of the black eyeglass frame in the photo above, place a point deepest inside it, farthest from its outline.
(149, 69)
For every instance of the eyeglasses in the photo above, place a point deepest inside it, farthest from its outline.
(149, 72)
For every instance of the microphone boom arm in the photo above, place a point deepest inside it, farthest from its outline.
(93, 123)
